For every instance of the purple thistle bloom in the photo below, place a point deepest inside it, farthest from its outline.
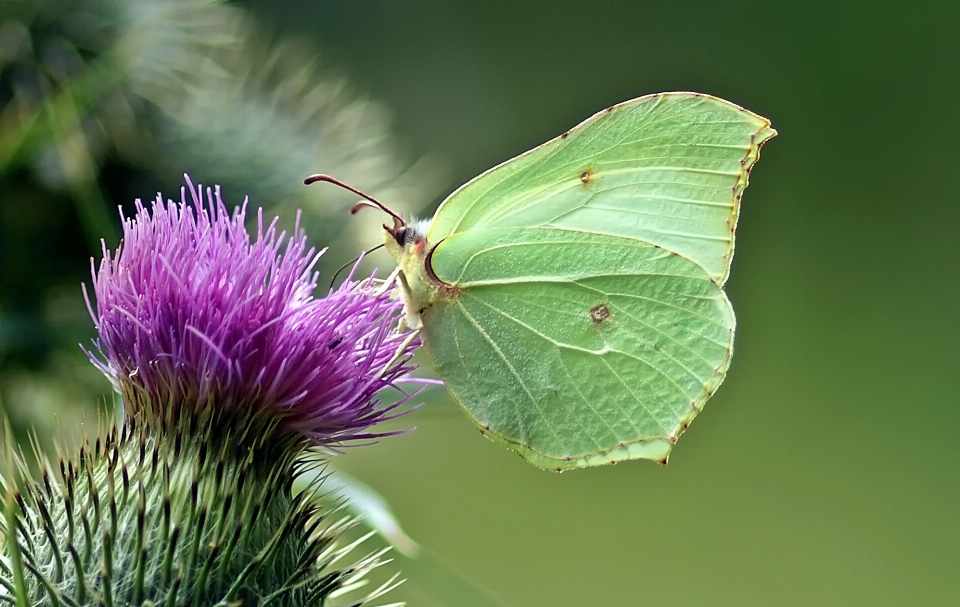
(193, 315)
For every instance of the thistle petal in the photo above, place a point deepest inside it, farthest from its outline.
(193, 314)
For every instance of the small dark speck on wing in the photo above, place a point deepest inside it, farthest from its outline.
(599, 313)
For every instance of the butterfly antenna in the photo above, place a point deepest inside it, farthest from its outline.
(369, 201)
(351, 262)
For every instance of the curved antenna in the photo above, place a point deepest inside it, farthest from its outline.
(397, 220)
(351, 262)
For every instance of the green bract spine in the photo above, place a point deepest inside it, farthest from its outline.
(194, 514)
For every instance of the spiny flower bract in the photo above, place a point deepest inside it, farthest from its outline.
(193, 314)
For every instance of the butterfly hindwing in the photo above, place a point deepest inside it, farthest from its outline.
(576, 349)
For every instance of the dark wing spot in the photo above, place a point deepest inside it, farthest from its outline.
(565, 135)
(599, 313)
(586, 176)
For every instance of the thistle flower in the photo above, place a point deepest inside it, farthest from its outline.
(228, 369)
(193, 315)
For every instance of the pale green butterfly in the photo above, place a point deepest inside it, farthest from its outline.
(571, 298)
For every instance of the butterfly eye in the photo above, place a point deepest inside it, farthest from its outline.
(400, 234)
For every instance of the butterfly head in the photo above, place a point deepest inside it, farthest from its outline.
(406, 238)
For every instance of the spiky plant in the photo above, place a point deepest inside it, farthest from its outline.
(229, 372)
(198, 515)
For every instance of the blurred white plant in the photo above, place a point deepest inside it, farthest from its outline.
(188, 85)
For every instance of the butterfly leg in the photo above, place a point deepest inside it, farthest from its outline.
(387, 283)
(401, 352)
(411, 313)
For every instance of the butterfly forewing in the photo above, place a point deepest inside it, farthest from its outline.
(667, 169)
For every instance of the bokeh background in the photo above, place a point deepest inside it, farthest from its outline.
(825, 471)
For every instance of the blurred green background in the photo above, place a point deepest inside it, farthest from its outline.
(826, 471)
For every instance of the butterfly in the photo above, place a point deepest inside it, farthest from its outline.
(571, 298)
